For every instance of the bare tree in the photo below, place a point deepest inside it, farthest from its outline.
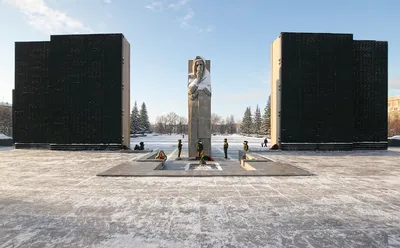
(222, 127)
(171, 121)
(215, 121)
(6, 120)
(160, 125)
(394, 128)
(231, 124)
(182, 125)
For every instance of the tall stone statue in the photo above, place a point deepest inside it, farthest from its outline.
(199, 93)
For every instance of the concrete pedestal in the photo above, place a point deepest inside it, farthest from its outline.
(199, 123)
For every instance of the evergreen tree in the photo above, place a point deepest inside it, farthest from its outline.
(144, 119)
(266, 122)
(135, 120)
(247, 122)
(257, 121)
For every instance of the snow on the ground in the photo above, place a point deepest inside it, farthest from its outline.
(233, 140)
(3, 136)
(54, 197)
(397, 137)
(169, 143)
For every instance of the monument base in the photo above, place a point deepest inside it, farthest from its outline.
(199, 123)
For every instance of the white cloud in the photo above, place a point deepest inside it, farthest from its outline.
(207, 29)
(46, 19)
(186, 19)
(107, 1)
(154, 5)
(178, 4)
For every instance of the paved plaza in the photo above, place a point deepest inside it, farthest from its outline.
(54, 199)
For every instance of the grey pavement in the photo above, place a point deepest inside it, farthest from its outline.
(54, 199)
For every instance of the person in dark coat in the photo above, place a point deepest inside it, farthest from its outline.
(226, 145)
(265, 142)
(199, 148)
(274, 147)
(141, 146)
(179, 148)
(245, 146)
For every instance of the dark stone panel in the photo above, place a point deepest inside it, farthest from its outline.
(69, 90)
(371, 91)
(316, 88)
(30, 108)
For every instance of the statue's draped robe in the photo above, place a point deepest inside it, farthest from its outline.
(199, 121)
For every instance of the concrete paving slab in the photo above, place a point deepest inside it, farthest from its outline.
(182, 168)
(54, 199)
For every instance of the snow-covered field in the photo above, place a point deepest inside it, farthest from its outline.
(169, 143)
(234, 140)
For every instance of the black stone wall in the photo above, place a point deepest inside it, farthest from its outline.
(31, 93)
(371, 91)
(333, 92)
(69, 90)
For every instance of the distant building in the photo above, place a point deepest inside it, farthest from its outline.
(393, 108)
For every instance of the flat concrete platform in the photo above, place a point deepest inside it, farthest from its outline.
(176, 168)
(52, 199)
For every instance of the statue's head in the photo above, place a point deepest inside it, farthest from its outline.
(198, 66)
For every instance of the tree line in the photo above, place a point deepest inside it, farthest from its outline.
(223, 126)
(140, 119)
(6, 120)
(256, 123)
(173, 123)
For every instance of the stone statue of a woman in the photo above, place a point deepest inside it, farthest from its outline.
(199, 93)
(199, 78)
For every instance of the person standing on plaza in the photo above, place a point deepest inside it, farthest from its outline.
(245, 146)
(179, 148)
(199, 148)
(226, 145)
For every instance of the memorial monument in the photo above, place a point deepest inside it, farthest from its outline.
(328, 92)
(72, 93)
(199, 102)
